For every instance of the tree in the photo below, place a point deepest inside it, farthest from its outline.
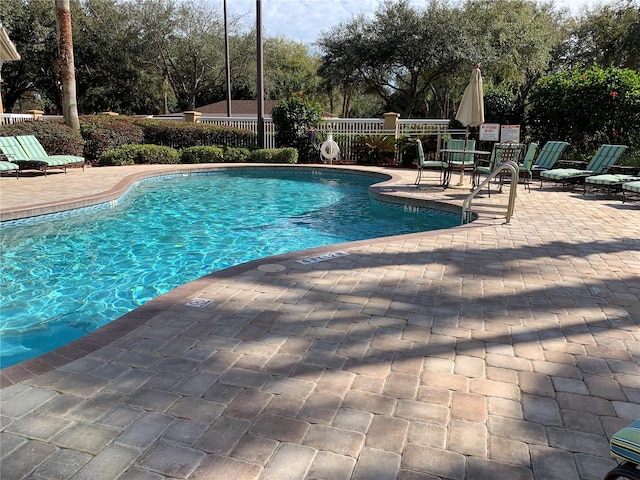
(608, 36)
(514, 41)
(30, 24)
(288, 69)
(400, 54)
(66, 63)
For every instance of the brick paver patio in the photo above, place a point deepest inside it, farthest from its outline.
(480, 352)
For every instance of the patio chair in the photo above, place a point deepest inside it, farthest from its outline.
(12, 149)
(625, 447)
(34, 149)
(548, 157)
(456, 161)
(424, 164)
(524, 167)
(606, 156)
(501, 152)
(630, 190)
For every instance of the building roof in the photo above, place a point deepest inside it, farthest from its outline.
(239, 108)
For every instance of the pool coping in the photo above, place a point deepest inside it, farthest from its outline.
(382, 191)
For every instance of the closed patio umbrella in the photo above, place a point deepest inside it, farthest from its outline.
(471, 109)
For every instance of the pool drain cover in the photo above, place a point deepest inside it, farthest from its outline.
(198, 302)
(272, 268)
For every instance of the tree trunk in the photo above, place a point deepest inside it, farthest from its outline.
(67, 68)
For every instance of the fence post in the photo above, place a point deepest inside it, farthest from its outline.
(36, 114)
(192, 116)
(391, 126)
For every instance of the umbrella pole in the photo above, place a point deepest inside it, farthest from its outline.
(464, 156)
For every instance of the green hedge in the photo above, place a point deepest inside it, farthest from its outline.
(214, 155)
(54, 135)
(184, 135)
(104, 132)
(202, 155)
(139, 154)
(236, 155)
(274, 155)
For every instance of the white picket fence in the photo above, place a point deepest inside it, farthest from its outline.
(344, 130)
(9, 118)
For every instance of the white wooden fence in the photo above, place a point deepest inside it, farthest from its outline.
(9, 118)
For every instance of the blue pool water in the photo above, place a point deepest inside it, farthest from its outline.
(65, 276)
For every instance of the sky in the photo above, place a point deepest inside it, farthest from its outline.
(303, 20)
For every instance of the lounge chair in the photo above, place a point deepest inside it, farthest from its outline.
(606, 156)
(625, 447)
(608, 182)
(9, 167)
(424, 164)
(548, 157)
(630, 189)
(34, 149)
(16, 154)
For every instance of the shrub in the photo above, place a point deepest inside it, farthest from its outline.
(274, 155)
(184, 135)
(587, 108)
(54, 135)
(104, 132)
(236, 155)
(139, 154)
(374, 149)
(202, 155)
(293, 118)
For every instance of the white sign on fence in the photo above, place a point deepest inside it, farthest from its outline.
(510, 133)
(489, 132)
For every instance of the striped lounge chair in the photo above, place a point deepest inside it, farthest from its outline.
(34, 149)
(609, 182)
(625, 446)
(606, 156)
(14, 151)
(548, 157)
(630, 189)
(9, 167)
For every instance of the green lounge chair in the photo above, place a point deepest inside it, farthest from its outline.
(630, 189)
(608, 182)
(606, 156)
(34, 149)
(9, 167)
(624, 446)
(548, 157)
(424, 164)
(16, 154)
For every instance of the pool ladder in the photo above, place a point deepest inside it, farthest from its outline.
(489, 208)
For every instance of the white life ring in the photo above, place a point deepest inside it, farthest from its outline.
(329, 149)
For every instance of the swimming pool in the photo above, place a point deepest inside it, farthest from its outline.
(65, 275)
